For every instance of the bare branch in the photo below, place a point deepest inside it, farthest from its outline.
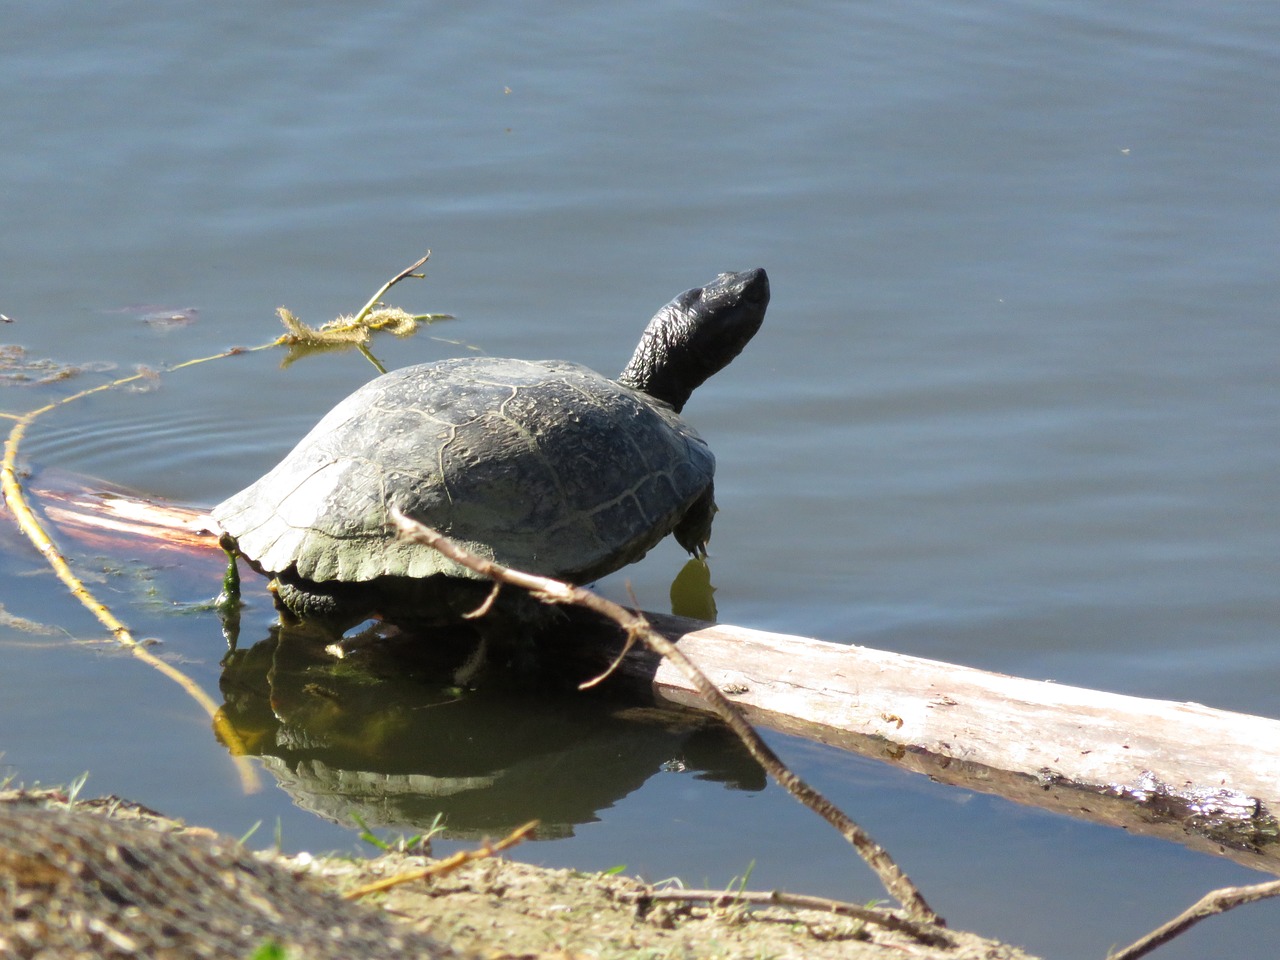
(1211, 904)
(486, 605)
(382, 291)
(447, 865)
(926, 933)
(876, 857)
(600, 678)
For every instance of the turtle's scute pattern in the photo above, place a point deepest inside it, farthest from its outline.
(544, 466)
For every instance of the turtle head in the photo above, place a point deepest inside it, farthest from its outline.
(697, 334)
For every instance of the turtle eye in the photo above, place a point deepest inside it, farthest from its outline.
(690, 297)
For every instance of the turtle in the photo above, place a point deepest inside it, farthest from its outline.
(544, 466)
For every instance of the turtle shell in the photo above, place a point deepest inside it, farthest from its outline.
(545, 466)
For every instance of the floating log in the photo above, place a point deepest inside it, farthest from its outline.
(1207, 778)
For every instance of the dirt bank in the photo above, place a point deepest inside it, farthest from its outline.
(503, 909)
(100, 864)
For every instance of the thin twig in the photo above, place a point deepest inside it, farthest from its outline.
(447, 865)
(632, 637)
(1211, 904)
(382, 292)
(926, 933)
(486, 605)
(876, 857)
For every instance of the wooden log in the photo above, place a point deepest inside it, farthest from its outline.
(1182, 771)
(1204, 777)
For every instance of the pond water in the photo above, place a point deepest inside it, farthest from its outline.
(1015, 404)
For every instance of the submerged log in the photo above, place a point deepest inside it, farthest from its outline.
(1207, 778)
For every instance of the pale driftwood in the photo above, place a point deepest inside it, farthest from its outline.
(1204, 777)
(1208, 778)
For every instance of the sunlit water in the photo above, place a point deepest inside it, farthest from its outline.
(1015, 404)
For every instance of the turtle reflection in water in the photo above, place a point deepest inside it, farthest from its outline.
(545, 466)
(378, 733)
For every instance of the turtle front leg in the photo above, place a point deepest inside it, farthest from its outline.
(228, 603)
(694, 529)
(231, 579)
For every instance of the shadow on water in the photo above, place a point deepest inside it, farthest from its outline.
(385, 731)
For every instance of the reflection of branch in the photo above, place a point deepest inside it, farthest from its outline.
(447, 865)
(1211, 904)
(554, 591)
(926, 933)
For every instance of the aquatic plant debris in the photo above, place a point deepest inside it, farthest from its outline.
(352, 328)
(355, 329)
(18, 368)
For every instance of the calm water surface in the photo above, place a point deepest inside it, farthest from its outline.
(1015, 404)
